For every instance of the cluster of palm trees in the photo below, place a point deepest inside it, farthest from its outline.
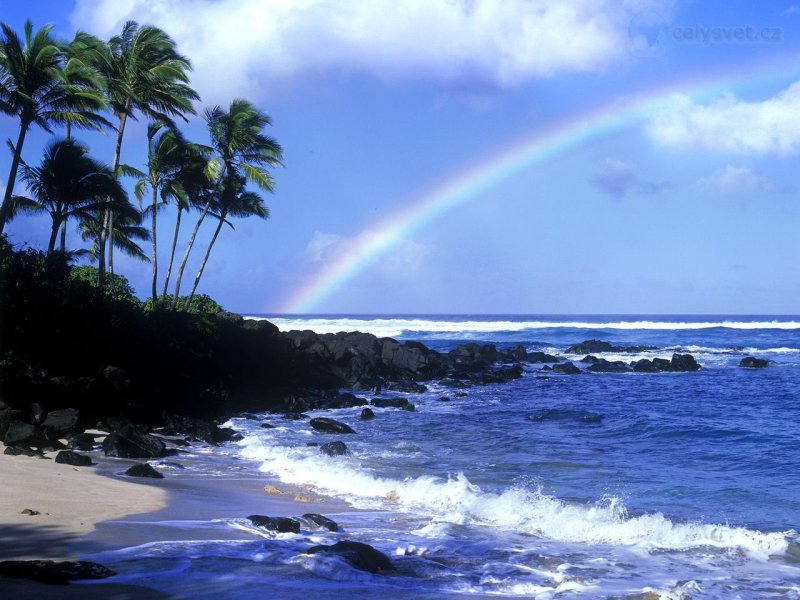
(89, 83)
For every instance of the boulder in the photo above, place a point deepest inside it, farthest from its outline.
(751, 362)
(604, 366)
(541, 357)
(61, 421)
(367, 414)
(67, 457)
(82, 441)
(277, 524)
(116, 378)
(143, 470)
(513, 354)
(22, 451)
(566, 368)
(683, 362)
(644, 366)
(502, 374)
(53, 573)
(321, 521)
(327, 425)
(131, 442)
(392, 403)
(342, 401)
(334, 448)
(198, 429)
(406, 386)
(20, 433)
(361, 556)
(591, 347)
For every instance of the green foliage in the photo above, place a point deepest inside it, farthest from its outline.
(87, 276)
(202, 304)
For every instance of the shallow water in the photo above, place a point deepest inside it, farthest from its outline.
(589, 486)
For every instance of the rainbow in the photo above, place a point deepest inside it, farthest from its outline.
(534, 149)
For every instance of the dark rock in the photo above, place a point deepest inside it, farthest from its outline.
(327, 425)
(662, 364)
(334, 448)
(683, 362)
(267, 426)
(278, 524)
(20, 433)
(342, 401)
(444, 399)
(53, 573)
(502, 375)
(392, 403)
(22, 451)
(644, 366)
(751, 362)
(198, 429)
(291, 416)
(67, 457)
(541, 357)
(262, 326)
(37, 413)
(230, 317)
(453, 383)
(130, 442)
(143, 470)
(367, 414)
(116, 378)
(61, 421)
(111, 424)
(590, 358)
(6, 416)
(361, 556)
(591, 347)
(322, 521)
(405, 386)
(566, 368)
(513, 354)
(82, 441)
(604, 366)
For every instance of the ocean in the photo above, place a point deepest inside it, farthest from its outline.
(598, 485)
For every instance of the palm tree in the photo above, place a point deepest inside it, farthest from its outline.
(144, 74)
(32, 89)
(127, 229)
(234, 201)
(168, 155)
(241, 150)
(68, 182)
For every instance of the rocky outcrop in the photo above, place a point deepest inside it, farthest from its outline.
(751, 362)
(361, 556)
(131, 442)
(276, 524)
(144, 470)
(198, 429)
(597, 346)
(402, 403)
(54, 573)
(566, 368)
(334, 448)
(678, 363)
(321, 521)
(68, 457)
(327, 425)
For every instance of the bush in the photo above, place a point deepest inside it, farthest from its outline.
(200, 304)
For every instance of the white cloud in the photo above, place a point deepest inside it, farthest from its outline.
(243, 47)
(617, 178)
(771, 126)
(736, 180)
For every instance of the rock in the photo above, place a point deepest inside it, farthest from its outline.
(443, 399)
(334, 448)
(391, 403)
(111, 424)
(261, 325)
(327, 425)
(407, 387)
(278, 524)
(117, 378)
(6, 416)
(342, 401)
(541, 357)
(22, 451)
(61, 421)
(367, 414)
(683, 362)
(130, 442)
(513, 354)
(751, 362)
(82, 441)
(67, 457)
(566, 368)
(37, 413)
(267, 426)
(292, 416)
(143, 470)
(322, 521)
(604, 366)
(361, 556)
(198, 429)
(53, 573)
(644, 366)
(29, 512)
(502, 375)
(591, 347)
(20, 433)
(661, 364)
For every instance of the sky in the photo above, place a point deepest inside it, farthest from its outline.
(486, 157)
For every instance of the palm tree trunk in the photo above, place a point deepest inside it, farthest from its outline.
(186, 255)
(12, 176)
(205, 260)
(155, 254)
(64, 235)
(53, 234)
(107, 234)
(172, 253)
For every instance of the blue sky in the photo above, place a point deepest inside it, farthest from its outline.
(693, 210)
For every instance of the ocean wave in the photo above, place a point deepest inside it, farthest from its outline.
(400, 326)
(457, 500)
